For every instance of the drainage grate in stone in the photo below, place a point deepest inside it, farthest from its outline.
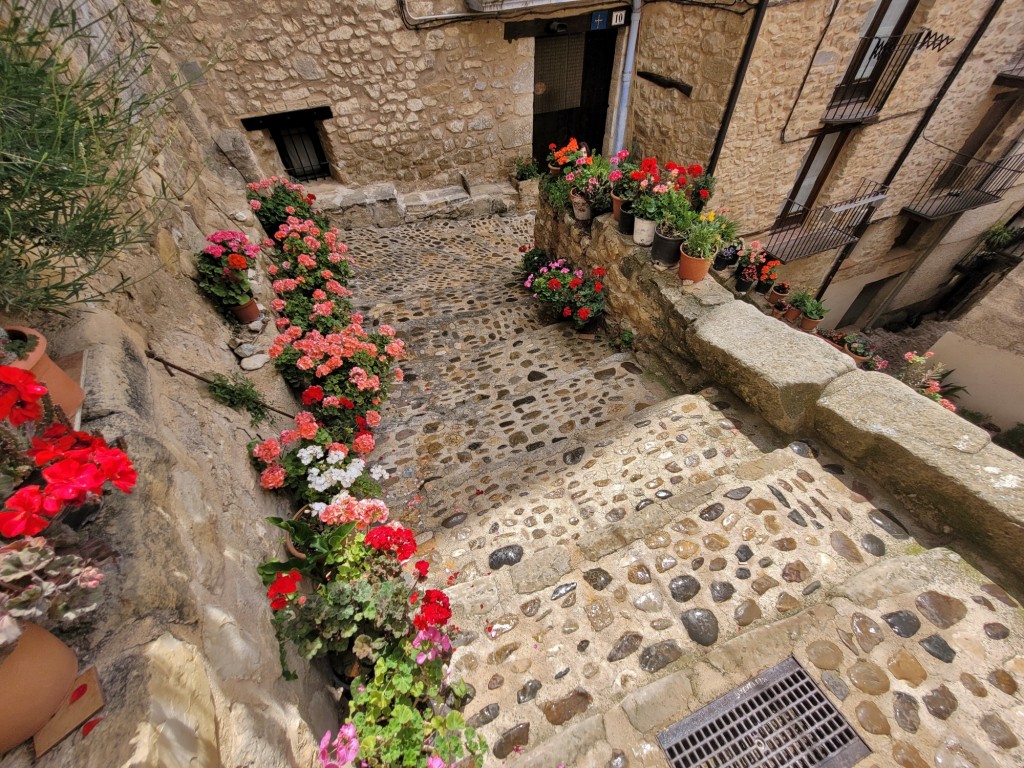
(778, 719)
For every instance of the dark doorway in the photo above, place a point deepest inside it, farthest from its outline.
(572, 79)
(867, 295)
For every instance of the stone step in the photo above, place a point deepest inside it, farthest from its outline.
(586, 561)
(520, 420)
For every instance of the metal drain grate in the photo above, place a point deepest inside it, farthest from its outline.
(780, 718)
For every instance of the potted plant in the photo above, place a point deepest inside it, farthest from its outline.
(701, 243)
(767, 276)
(645, 205)
(589, 187)
(746, 276)
(623, 187)
(778, 292)
(525, 169)
(748, 266)
(37, 670)
(727, 256)
(26, 349)
(859, 348)
(796, 304)
(813, 313)
(779, 309)
(223, 274)
(675, 221)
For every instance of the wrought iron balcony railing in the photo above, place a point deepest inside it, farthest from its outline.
(1013, 75)
(876, 67)
(963, 183)
(807, 231)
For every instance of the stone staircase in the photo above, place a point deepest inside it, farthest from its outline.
(623, 548)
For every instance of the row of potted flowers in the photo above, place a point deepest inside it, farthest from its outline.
(52, 480)
(349, 589)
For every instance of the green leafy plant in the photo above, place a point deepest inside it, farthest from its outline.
(77, 122)
(525, 168)
(814, 309)
(800, 298)
(675, 215)
(223, 268)
(15, 345)
(556, 191)
(1000, 236)
(624, 341)
(239, 393)
(533, 258)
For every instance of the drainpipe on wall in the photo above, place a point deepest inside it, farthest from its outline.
(929, 113)
(622, 108)
(737, 84)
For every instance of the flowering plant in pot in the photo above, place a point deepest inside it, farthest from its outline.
(589, 187)
(701, 187)
(48, 469)
(645, 202)
(567, 155)
(703, 241)
(767, 275)
(569, 293)
(533, 258)
(779, 308)
(223, 273)
(675, 219)
(728, 255)
(623, 186)
(859, 347)
(273, 200)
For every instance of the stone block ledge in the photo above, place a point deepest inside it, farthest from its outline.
(943, 468)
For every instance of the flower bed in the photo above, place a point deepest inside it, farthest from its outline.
(564, 291)
(348, 592)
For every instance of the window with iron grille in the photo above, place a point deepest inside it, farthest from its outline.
(297, 138)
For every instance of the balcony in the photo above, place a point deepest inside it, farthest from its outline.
(877, 65)
(1013, 75)
(807, 231)
(963, 183)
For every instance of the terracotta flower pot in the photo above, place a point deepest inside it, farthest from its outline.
(616, 206)
(34, 678)
(247, 313)
(774, 296)
(554, 170)
(65, 392)
(792, 314)
(691, 268)
(808, 324)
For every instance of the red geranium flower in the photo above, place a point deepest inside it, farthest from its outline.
(598, 286)
(237, 261)
(575, 283)
(705, 194)
(435, 610)
(284, 584)
(583, 313)
(23, 512)
(600, 271)
(71, 480)
(554, 284)
(19, 395)
(422, 566)
(312, 395)
(567, 312)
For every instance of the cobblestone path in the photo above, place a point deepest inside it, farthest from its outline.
(624, 552)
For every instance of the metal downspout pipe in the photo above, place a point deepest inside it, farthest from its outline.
(622, 108)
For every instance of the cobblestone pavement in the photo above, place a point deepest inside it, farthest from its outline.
(624, 552)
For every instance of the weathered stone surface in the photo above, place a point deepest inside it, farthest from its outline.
(546, 567)
(825, 655)
(903, 623)
(625, 646)
(871, 718)
(777, 370)
(516, 736)
(659, 655)
(904, 666)
(945, 469)
(701, 625)
(941, 610)
(563, 710)
(941, 702)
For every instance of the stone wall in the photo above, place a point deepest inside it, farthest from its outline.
(943, 468)
(696, 45)
(183, 641)
(412, 107)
